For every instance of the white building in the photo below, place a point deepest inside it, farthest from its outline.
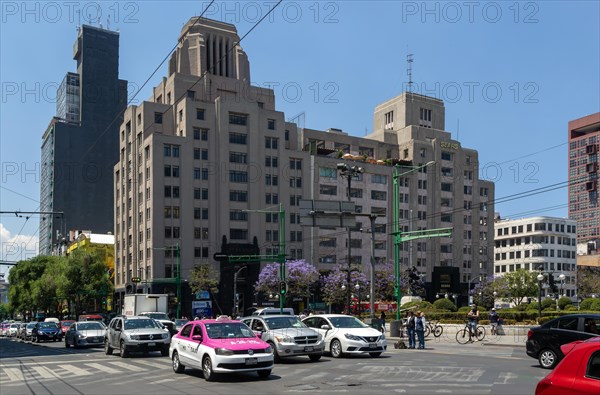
(535, 243)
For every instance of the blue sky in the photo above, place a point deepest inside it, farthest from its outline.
(512, 75)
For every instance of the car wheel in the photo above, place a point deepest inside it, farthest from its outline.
(264, 374)
(107, 348)
(164, 351)
(177, 365)
(123, 349)
(276, 357)
(209, 375)
(547, 358)
(315, 357)
(374, 354)
(336, 348)
(67, 345)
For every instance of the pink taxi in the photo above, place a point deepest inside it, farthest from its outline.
(220, 346)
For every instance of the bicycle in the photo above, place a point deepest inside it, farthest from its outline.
(466, 335)
(435, 328)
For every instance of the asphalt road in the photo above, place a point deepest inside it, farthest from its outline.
(449, 368)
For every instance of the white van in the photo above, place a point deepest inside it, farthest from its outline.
(273, 311)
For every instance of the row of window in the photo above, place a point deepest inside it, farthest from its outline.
(538, 226)
(538, 239)
(542, 252)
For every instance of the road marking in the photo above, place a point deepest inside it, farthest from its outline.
(126, 366)
(75, 370)
(45, 373)
(153, 364)
(14, 374)
(161, 381)
(103, 368)
(505, 378)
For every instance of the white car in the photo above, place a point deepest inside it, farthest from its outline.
(13, 329)
(345, 334)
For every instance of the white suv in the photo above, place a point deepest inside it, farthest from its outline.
(136, 333)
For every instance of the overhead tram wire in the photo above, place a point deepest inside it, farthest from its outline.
(203, 74)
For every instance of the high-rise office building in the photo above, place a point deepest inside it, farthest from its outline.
(80, 145)
(207, 161)
(584, 145)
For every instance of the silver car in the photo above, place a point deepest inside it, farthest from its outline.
(85, 333)
(287, 335)
(136, 334)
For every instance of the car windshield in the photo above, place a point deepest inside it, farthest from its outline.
(14, 325)
(231, 330)
(157, 316)
(89, 326)
(67, 323)
(284, 322)
(141, 324)
(346, 322)
(48, 325)
(31, 325)
(181, 322)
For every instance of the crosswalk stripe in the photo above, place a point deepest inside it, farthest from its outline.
(75, 370)
(103, 368)
(153, 364)
(14, 374)
(127, 366)
(44, 372)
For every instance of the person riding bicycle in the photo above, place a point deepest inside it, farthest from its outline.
(473, 317)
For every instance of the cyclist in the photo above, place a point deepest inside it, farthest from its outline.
(473, 317)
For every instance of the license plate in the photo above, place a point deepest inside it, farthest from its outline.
(251, 361)
(308, 349)
(372, 345)
(151, 344)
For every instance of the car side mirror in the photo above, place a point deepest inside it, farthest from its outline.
(197, 338)
(326, 327)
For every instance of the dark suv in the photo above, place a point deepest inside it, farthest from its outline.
(543, 342)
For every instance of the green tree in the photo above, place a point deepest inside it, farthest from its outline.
(588, 281)
(516, 286)
(564, 301)
(86, 282)
(204, 278)
(301, 275)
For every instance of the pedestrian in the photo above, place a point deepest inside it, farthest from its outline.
(382, 318)
(494, 320)
(420, 325)
(410, 327)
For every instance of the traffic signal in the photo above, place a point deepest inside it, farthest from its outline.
(282, 288)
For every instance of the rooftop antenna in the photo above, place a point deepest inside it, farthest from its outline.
(99, 23)
(409, 62)
(108, 23)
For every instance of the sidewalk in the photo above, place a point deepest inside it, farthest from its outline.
(514, 336)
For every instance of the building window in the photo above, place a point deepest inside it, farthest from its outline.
(167, 170)
(204, 154)
(237, 215)
(238, 196)
(200, 114)
(425, 117)
(196, 132)
(204, 134)
(197, 153)
(271, 124)
(238, 138)
(330, 190)
(238, 234)
(191, 95)
(271, 180)
(238, 119)
(378, 195)
(158, 117)
(197, 193)
(295, 164)
(388, 120)
(271, 142)
(197, 173)
(378, 179)
(204, 194)
(238, 157)
(238, 176)
(328, 172)
(272, 198)
(271, 161)
(446, 155)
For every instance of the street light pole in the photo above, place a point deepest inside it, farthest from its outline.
(349, 172)
(540, 278)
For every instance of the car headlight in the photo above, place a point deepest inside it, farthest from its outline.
(135, 337)
(80, 336)
(352, 337)
(319, 338)
(165, 335)
(284, 339)
(223, 351)
(382, 336)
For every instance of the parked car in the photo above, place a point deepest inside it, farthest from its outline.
(220, 346)
(21, 332)
(136, 333)
(4, 328)
(543, 342)
(287, 335)
(345, 334)
(65, 325)
(577, 373)
(86, 333)
(45, 331)
(13, 329)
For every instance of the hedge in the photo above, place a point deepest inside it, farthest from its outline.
(444, 304)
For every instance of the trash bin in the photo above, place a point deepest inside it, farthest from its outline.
(375, 323)
(395, 327)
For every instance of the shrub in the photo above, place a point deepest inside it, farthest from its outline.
(586, 304)
(564, 302)
(522, 307)
(532, 306)
(422, 305)
(595, 305)
(444, 304)
(570, 308)
(464, 309)
(548, 303)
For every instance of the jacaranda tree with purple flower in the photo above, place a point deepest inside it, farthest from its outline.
(301, 275)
